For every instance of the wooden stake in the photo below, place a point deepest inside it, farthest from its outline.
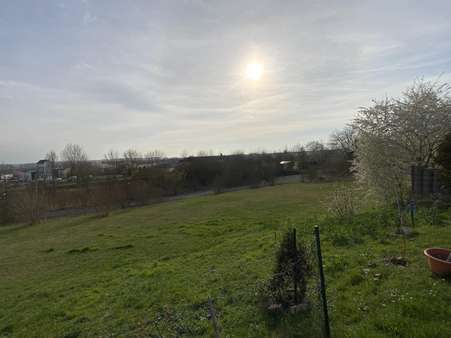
(214, 320)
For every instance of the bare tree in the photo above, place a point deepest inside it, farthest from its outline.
(154, 156)
(345, 139)
(316, 151)
(132, 158)
(112, 158)
(76, 158)
(52, 158)
(297, 148)
(315, 146)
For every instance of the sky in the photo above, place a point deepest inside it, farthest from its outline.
(171, 75)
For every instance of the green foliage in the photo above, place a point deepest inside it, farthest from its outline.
(355, 278)
(433, 212)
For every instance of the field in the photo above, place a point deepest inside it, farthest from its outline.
(148, 272)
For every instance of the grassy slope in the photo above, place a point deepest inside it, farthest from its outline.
(150, 271)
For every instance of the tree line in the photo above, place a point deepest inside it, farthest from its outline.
(135, 179)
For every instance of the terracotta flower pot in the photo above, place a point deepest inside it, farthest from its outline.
(437, 260)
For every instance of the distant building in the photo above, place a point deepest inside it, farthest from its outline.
(6, 177)
(20, 175)
(30, 175)
(43, 170)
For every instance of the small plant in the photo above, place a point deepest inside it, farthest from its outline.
(433, 213)
(341, 203)
(384, 217)
(288, 284)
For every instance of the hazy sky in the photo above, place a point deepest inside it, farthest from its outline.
(170, 74)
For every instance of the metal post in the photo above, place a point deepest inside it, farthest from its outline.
(413, 209)
(213, 318)
(295, 275)
(322, 283)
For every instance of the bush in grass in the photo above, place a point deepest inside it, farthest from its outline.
(432, 214)
(342, 202)
(288, 284)
(385, 217)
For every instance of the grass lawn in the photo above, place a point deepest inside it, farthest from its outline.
(148, 272)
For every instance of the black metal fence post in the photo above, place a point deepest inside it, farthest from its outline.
(322, 283)
(295, 275)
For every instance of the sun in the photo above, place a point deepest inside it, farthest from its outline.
(254, 71)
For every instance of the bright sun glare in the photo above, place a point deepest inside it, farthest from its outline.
(254, 71)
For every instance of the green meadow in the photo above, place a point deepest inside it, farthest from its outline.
(149, 271)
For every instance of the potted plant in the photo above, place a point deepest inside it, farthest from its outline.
(439, 260)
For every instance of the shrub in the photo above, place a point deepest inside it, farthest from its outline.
(31, 204)
(432, 214)
(342, 202)
(288, 284)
